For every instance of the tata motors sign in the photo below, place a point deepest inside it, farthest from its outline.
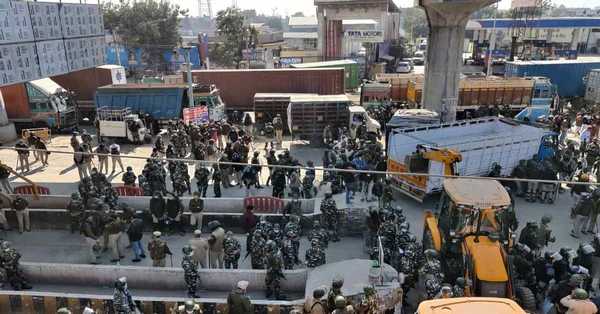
(370, 36)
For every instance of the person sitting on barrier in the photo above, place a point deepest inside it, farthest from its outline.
(20, 206)
(157, 209)
(174, 209)
(129, 177)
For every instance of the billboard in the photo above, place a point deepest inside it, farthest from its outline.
(196, 115)
(18, 63)
(15, 23)
(83, 53)
(45, 20)
(53, 60)
(523, 4)
(367, 36)
(80, 20)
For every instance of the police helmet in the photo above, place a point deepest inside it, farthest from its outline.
(214, 225)
(314, 242)
(546, 219)
(580, 294)
(121, 283)
(129, 168)
(588, 249)
(461, 282)
(187, 250)
(430, 253)
(337, 282)
(75, 195)
(318, 293)
(340, 302)
(189, 305)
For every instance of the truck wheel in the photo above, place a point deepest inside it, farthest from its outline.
(525, 299)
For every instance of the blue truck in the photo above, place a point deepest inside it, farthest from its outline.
(567, 75)
(162, 101)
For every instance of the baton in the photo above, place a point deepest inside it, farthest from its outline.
(171, 260)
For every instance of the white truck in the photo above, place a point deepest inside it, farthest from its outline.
(478, 144)
(121, 124)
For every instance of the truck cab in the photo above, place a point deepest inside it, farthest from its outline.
(358, 115)
(40, 103)
(542, 100)
(209, 96)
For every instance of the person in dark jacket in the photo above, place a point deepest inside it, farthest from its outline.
(135, 232)
(249, 219)
(238, 302)
(157, 209)
(174, 209)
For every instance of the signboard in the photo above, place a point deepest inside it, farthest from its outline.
(369, 36)
(45, 20)
(53, 60)
(15, 23)
(118, 76)
(290, 60)
(523, 4)
(80, 20)
(18, 63)
(83, 53)
(196, 115)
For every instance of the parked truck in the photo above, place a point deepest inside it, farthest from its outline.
(474, 144)
(84, 83)
(592, 86)
(40, 104)
(162, 101)
(351, 70)
(308, 115)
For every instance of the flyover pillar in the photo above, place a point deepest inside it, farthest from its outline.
(447, 21)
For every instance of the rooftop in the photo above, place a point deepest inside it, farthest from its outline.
(549, 22)
(562, 61)
(323, 64)
(303, 21)
(300, 35)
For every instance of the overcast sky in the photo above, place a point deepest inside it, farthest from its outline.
(288, 7)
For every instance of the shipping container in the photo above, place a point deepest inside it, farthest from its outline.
(238, 87)
(567, 75)
(473, 92)
(308, 115)
(592, 89)
(162, 101)
(375, 92)
(351, 70)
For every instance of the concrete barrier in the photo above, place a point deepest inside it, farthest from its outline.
(145, 277)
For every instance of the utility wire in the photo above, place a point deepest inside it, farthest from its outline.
(395, 173)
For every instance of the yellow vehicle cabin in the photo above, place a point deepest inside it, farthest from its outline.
(470, 306)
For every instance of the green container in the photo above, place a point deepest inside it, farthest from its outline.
(351, 71)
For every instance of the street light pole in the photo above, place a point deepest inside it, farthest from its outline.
(188, 62)
(492, 44)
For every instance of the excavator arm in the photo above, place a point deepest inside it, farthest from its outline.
(448, 157)
(16, 174)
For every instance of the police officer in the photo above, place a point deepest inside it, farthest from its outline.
(315, 256)
(320, 234)
(20, 206)
(258, 249)
(9, 261)
(232, 249)
(332, 219)
(292, 231)
(158, 249)
(75, 209)
(202, 175)
(122, 300)
(190, 271)
(196, 206)
(274, 271)
(336, 290)
(458, 290)
(544, 235)
(288, 251)
(217, 177)
(431, 273)
(129, 177)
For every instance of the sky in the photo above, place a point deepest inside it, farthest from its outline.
(288, 7)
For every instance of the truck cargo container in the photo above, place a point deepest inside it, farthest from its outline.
(518, 93)
(592, 88)
(568, 75)
(268, 105)
(399, 83)
(351, 70)
(375, 91)
(84, 84)
(41, 104)
(161, 101)
(308, 115)
(481, 143)
(238, 87)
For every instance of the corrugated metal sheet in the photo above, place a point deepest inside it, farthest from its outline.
(162, 103)
(16, 101)
(238, 87)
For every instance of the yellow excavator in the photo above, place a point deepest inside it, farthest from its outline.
(469, 231)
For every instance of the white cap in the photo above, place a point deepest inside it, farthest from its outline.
(243, 284)
(156, 234)
(197, 232)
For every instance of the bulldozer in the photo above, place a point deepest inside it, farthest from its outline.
(469, 231)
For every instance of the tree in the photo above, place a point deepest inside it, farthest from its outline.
(235, 37)
(149, 24)
(414, 22)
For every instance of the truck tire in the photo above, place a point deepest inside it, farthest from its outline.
(525, 299)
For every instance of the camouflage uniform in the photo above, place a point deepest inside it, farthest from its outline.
(274, 271)
(314, 255)
(288, 253)
(320, 234)
(332, 219)
(276, 234)
(431, 273)
(9, 262)
(257, 253)
(292, 232)
(232, 249)
(190, 271)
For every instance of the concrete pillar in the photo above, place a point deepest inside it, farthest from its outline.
(447, 22)
(7, 129)
(322, 31)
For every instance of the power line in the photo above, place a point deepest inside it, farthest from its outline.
(375, 172)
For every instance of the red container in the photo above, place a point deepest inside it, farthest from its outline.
(16, 101)
(238, 87)
(84, 83)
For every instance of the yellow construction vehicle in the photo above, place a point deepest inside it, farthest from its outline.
(470, 305)
(469, 231)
